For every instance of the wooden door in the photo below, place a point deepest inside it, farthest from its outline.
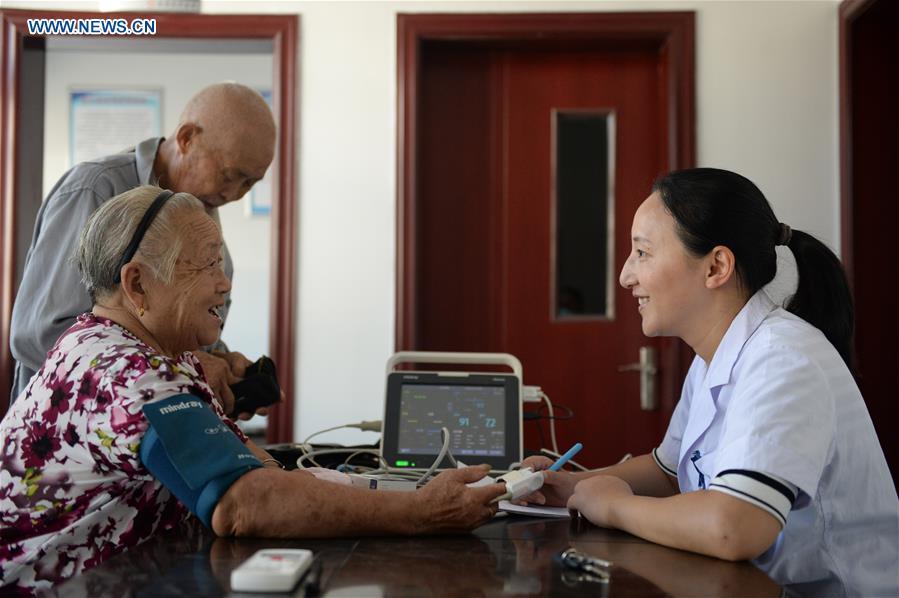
(575, 360)
(869, 94)
(479, 232)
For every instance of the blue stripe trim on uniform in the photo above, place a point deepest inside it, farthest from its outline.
(764, 479)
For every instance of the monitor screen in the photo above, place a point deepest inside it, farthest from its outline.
(474, 415)
(481, 412)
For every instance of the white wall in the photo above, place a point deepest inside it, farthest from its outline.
(179, 75)
(766, 107)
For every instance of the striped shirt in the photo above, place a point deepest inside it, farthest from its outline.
(777, 420)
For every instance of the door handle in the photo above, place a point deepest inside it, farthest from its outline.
(648, 369)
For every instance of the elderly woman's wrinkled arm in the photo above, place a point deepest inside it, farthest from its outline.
(294, 504)
(263, 455)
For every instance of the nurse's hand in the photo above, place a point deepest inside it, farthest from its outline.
(540, 463)
(594, 498)
(537, 462)
(558, 486)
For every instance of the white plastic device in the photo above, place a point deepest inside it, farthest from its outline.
(382, 482)
(522, 482)
(531, 394)
(271, 570)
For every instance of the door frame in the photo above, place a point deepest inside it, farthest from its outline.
(283, 31)
(849, 11)
(673, 33)
(859, 173)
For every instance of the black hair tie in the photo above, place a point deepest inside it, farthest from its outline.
(141, 230)
(786, 233)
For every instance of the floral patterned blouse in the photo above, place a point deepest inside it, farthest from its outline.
(73, 491)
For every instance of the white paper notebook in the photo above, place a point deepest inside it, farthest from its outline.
(534, 510)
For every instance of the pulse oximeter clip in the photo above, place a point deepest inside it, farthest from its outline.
(520, 483)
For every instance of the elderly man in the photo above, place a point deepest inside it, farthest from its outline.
(223, 144)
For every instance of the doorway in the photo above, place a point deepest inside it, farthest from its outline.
(24, 65)
(526, 144)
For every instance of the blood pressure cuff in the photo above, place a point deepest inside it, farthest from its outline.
(193, 453)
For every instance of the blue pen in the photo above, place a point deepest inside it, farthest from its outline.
(565, 458)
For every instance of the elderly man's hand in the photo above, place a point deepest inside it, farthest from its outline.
(222, 370)
(237, 362)
(447, 504)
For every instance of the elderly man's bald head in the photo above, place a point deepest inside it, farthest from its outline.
(229, 112)
(224, 143)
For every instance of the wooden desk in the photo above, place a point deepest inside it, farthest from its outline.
(509, 556)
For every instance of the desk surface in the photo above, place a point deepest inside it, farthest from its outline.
(509, 556)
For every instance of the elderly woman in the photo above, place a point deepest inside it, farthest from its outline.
(118, 435)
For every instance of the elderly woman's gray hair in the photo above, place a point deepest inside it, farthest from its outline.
(111, 227)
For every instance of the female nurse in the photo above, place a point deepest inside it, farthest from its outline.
(770, 453)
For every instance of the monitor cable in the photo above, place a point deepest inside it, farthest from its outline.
(444, 453)
(552, 421)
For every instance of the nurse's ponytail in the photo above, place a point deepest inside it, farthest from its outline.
(823, 298)
(718, 207)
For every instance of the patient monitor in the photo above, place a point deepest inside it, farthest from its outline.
(481, 411)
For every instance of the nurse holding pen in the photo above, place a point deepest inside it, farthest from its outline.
(523, 482)
(566, 457)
